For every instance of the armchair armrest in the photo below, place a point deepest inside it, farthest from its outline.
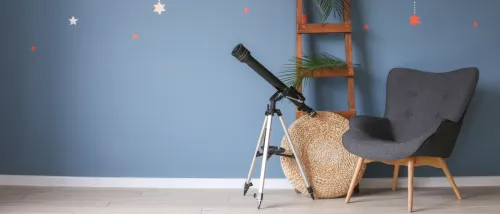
(442, 140)
(376, 127)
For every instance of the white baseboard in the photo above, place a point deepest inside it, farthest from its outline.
(226, 183)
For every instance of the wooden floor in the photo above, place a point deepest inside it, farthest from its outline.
(31, 200)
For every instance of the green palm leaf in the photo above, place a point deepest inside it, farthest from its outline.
(295, 75)
(326, 7)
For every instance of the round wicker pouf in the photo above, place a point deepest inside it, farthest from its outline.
(318, 142)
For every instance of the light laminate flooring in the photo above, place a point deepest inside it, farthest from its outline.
(69, 200)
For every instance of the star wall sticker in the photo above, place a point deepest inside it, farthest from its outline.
(159, 7)
(414, 20)
(474, 24)
(245, 10)
(72, 21)
(366, 26)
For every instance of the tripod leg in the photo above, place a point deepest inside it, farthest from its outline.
(248, 182)
(264, 159)
(297, 159)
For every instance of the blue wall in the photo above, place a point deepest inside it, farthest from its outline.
(92, 101)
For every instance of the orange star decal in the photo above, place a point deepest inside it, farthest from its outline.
(135, 36)
(414, 20)
(245, 10)
(366, 27)
(475, 24)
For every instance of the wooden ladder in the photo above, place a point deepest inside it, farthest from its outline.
(305, 28)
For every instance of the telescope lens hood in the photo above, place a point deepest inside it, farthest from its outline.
(241, 53)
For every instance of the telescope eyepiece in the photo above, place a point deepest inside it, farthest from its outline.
(241, 53)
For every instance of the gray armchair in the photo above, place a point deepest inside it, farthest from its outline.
(422, 120)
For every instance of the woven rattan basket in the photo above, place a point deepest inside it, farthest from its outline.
(318, 142)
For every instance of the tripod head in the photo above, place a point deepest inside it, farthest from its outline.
(243, 55)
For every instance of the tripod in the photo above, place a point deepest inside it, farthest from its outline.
(268, 151)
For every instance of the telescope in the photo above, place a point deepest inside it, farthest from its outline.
(263, 145)
(243, 55)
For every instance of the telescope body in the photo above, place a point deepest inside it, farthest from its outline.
(243, 55)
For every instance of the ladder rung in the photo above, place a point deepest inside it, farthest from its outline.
(333, 72)
(346, 114)
(324, 28)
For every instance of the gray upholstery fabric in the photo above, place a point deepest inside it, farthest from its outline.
(363, 145)
(417, 104)
(417, 100)
(374, 127)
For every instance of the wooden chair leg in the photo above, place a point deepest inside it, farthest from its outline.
(395, 177)
(411, 162)
(446, 171)
(354, 179)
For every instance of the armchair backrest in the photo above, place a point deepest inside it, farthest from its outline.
(417, 100)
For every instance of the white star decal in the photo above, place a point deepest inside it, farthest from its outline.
(159, 7)
(72, 21)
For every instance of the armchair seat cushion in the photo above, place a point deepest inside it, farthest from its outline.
(366, 146)
(372, 138)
